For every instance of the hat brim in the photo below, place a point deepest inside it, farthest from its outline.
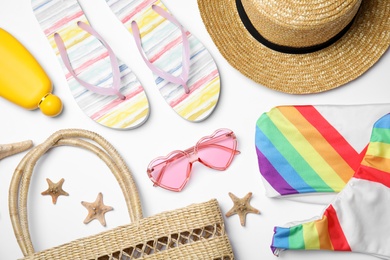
(345, 60)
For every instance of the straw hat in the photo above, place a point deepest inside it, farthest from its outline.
(299, 47)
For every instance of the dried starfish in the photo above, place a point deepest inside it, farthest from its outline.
(11, 149)
(55, 190)
(96, 210)
(241, 207)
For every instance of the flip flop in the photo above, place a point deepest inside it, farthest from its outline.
(184, 71)
(104, 88)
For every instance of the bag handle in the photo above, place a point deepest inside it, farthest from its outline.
(71, 137)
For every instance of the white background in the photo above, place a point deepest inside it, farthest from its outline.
(241, 103)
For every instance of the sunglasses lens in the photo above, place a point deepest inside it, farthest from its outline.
(218, 151)
(170, 172)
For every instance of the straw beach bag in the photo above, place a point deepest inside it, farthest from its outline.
(193, 232)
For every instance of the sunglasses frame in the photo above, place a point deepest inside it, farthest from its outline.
(191, 154)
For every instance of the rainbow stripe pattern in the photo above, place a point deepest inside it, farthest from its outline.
(375, 166)
(161, 41)
(358, 219)
(299, 151)
(323, 234)
(90, 60)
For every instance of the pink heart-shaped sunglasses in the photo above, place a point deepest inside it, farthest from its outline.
(173, 171)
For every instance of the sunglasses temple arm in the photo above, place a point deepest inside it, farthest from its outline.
(170, 160)
(192, 148)
(207, 143)
(189, 150)
(219, 138)
(221, 147)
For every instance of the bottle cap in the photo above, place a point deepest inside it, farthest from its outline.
(51, 105)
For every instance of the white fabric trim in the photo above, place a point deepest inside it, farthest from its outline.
(363, 210)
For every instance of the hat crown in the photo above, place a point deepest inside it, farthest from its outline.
(300, 23)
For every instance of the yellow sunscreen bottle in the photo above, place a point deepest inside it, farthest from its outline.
(22, 79)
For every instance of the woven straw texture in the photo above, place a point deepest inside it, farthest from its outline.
(343, 61)
(194, 232)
